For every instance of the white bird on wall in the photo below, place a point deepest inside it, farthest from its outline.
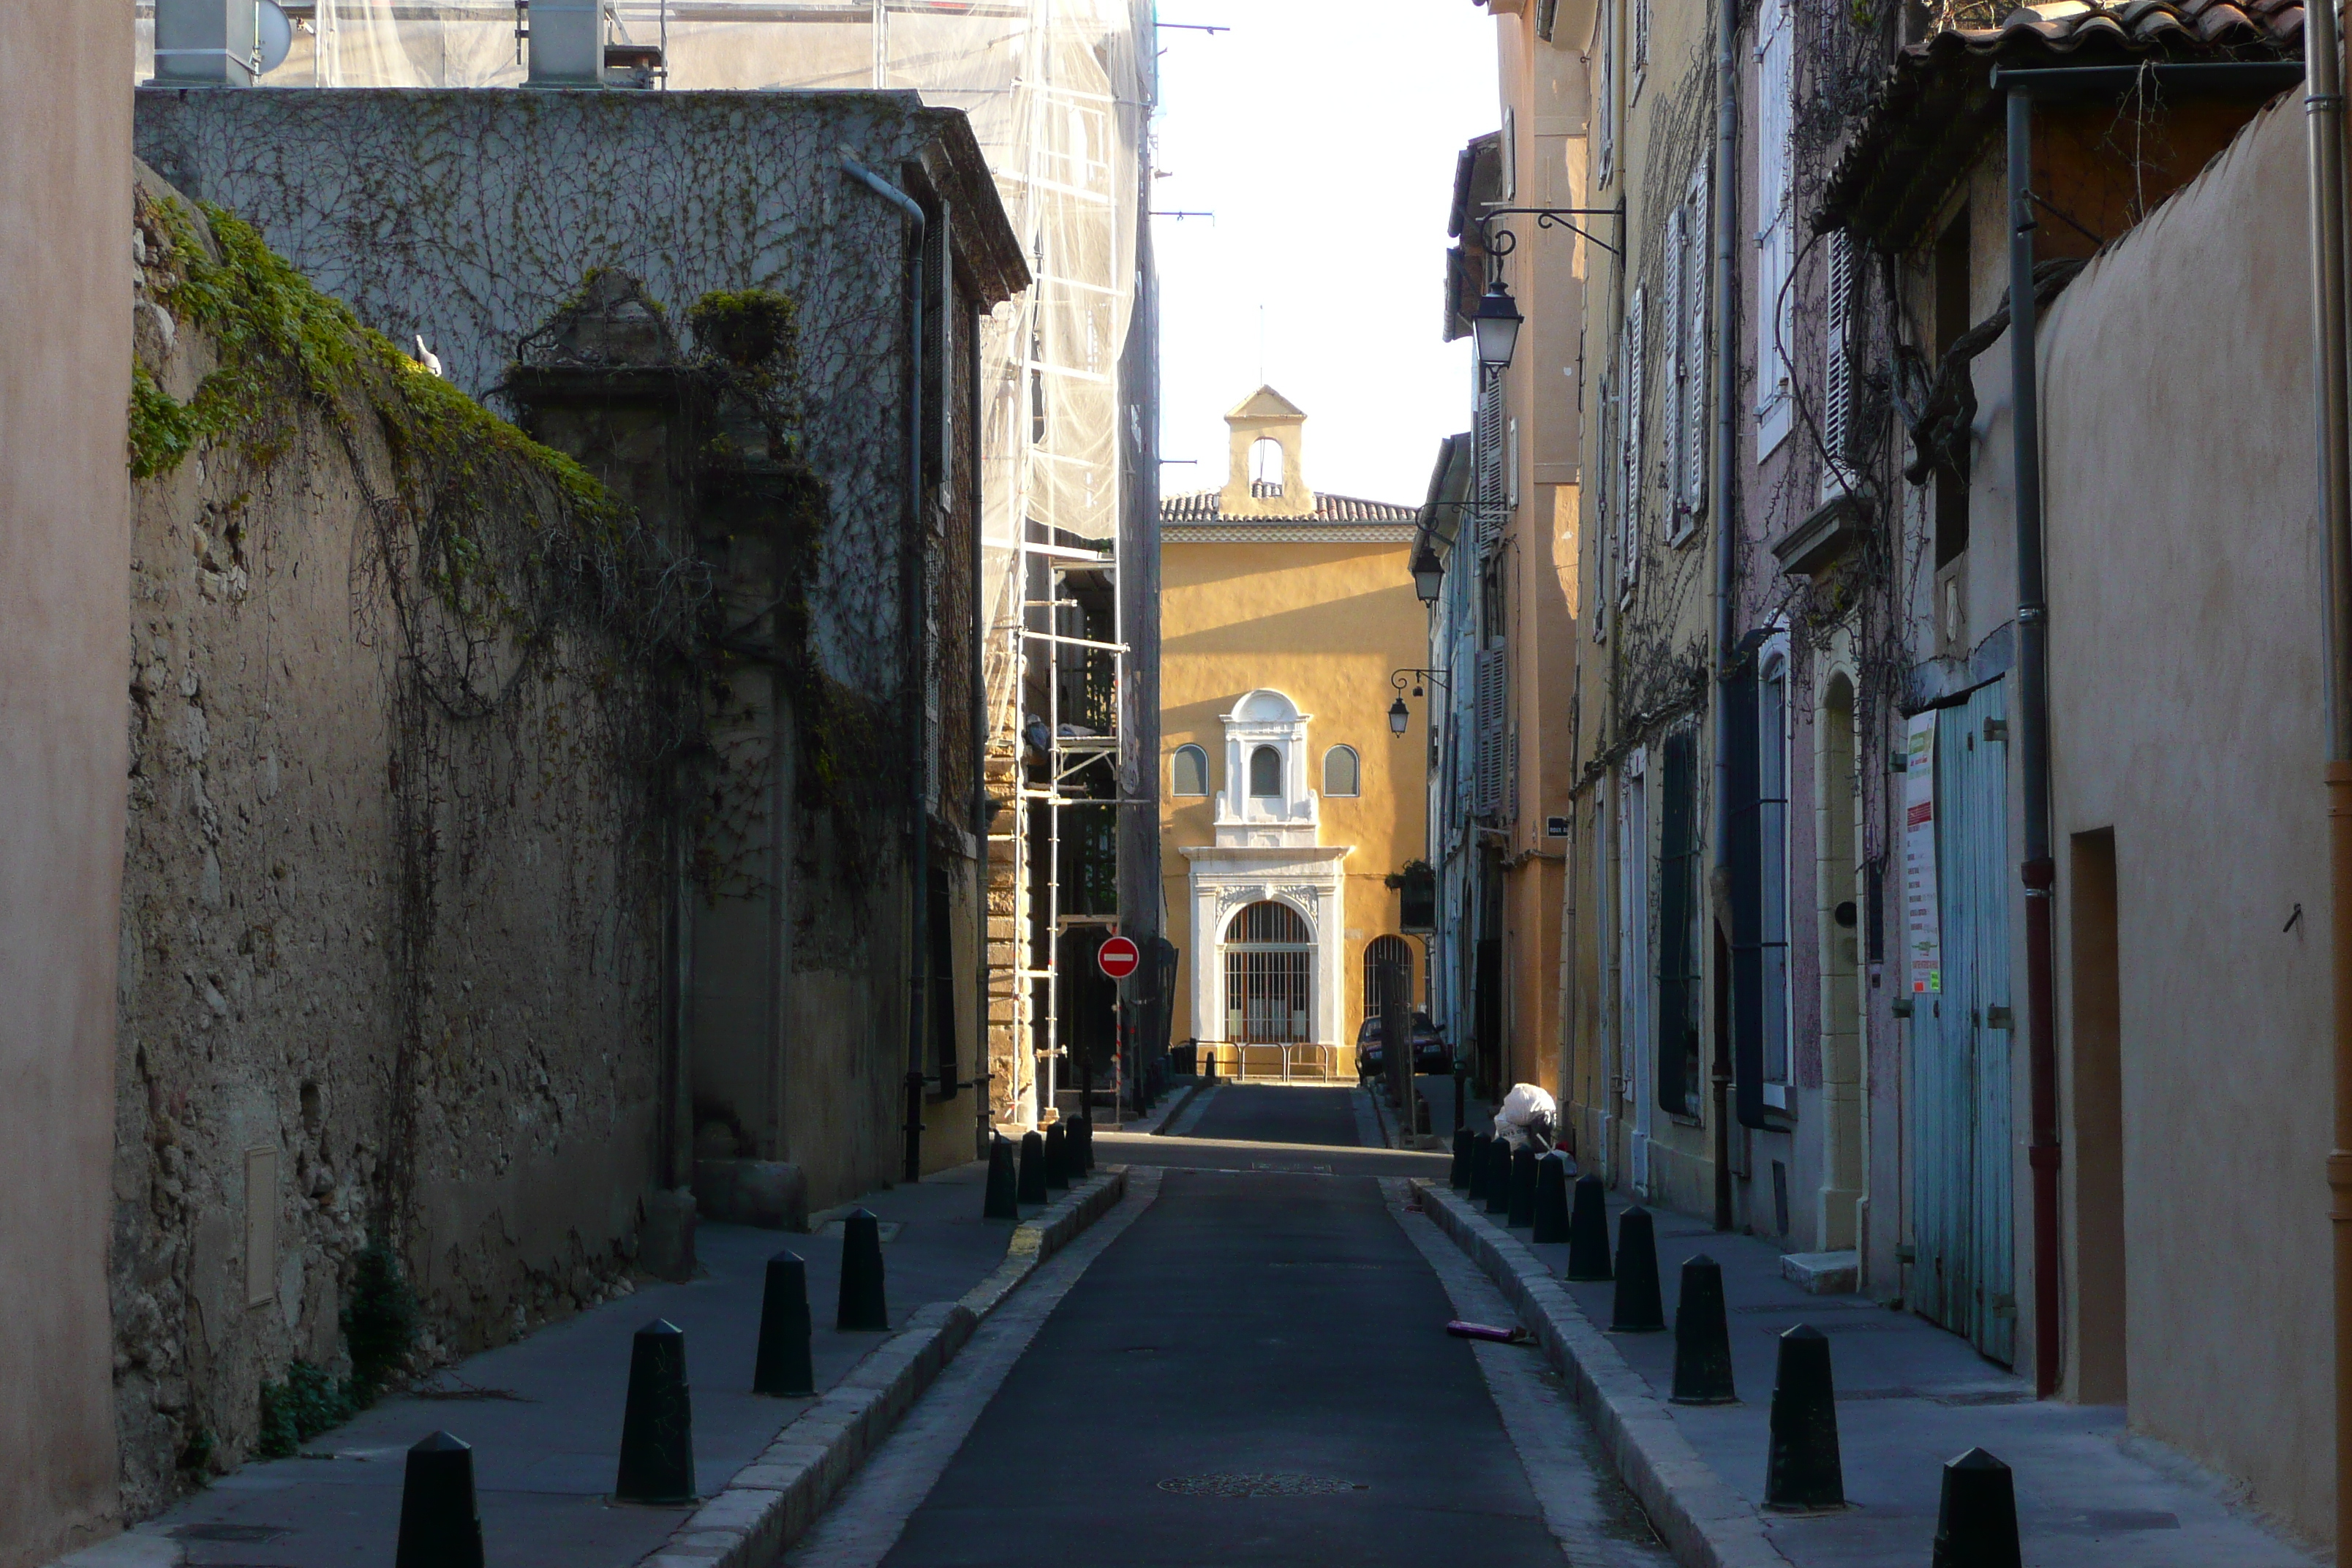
(426, 357)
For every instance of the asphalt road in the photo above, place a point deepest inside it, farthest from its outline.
(1253, 1370)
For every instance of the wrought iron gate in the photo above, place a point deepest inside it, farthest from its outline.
(1269, 982)
(1962, 1275)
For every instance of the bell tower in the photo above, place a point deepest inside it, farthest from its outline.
(1265, 416)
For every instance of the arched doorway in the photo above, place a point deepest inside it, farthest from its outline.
(1269, 955)
(1841, 1012)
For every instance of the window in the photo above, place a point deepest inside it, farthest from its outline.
(1681, 990)
(1189, 772)
(1640, 41)
(1265, 774)
(1775, 234)
(1383, 951)
(1951, 321)
(1773, 843)
(1342, 773)
(1266, 463)
(1633, 381)
(1606, 99)
(1696, 271)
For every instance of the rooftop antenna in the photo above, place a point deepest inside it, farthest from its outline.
(1261, 343)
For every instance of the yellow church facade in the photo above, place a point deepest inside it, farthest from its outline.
(1288, 807)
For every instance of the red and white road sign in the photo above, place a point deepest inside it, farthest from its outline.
(1117, 957)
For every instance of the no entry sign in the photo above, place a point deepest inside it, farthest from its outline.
(1117, 957)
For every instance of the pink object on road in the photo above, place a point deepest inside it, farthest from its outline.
(1510, 1336)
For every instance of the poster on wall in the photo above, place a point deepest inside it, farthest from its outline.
(1923, 943)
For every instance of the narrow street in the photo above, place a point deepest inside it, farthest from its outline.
(1247, 1362)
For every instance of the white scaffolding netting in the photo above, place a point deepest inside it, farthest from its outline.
(1058, 93)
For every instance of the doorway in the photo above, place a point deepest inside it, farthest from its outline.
(1964, 1228)
(2102, 1367)
(1835, 1218)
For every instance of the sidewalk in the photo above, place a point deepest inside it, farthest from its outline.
(1909, 1396)
(544, 1414)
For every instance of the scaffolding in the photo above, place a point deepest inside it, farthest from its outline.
(1059, 94)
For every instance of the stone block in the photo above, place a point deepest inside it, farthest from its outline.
(665, 1240)
(771, 1194)
(1821, 1273)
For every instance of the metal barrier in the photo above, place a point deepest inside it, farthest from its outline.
(1273, 1061)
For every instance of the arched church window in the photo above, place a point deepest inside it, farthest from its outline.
(1265, 772)
(1189, 774)
(1343, 772)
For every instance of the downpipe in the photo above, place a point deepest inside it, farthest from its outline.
(1727, 434)
(2039, 871)
(910, 620)
(2323, 105)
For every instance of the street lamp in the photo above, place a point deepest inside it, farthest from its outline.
(1428, 578)
(1495, 326)
(1399, 715)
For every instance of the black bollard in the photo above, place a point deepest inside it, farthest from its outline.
(1457, 1175)
(1801, 1469)
(1588, 1232)
(1002, 1200)
(1975, 1523)
(439, 1526)
(1057, 1156)
(782, 1365)
(1498, 1177)
(1032, 1169)
(864, 1306)
(1083, 1129)
(1551, 1222)
(1522, 1199)
(1637, 1310)
(657, 1428)
(1481, 1146)
(1702, 1337)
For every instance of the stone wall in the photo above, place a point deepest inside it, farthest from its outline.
(392, 915)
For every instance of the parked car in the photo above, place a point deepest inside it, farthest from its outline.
(1430, 1051)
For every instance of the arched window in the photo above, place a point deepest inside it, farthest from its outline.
(1265, 464)
(1189, 773)
(1342, 773)
(1265, 772)
(1269, 969)
(1383, 951)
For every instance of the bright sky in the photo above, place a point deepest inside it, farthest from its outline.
(1323, 137)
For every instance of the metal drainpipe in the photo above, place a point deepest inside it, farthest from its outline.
(911, 617)
(1727, 434)
(2039, 871)
(984, 1108)
(2323, 105)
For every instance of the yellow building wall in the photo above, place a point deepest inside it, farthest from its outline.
(1324, 625)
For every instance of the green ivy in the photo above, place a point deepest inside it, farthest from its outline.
(293, 1412)
(379, 1321)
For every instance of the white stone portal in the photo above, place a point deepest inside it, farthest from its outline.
(1267, 850)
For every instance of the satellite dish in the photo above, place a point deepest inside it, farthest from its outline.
(273, 36)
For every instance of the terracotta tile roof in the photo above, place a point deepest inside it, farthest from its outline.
(1932, 110)
(1201, 506)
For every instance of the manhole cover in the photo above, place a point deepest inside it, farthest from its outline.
(1259, 1486)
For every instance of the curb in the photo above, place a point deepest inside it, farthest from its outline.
(1177, 1109)
(771, 1503)
(1702, 1521)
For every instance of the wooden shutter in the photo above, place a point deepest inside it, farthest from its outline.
(1487, 503)
(1636, 379)
(1837, 376)
(1670, 373)
(1773, 87)
(1487, 716)
(1698, 269)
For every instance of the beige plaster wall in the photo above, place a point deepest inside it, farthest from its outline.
(65, 274)
(1324, 625)
(2185, 573)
